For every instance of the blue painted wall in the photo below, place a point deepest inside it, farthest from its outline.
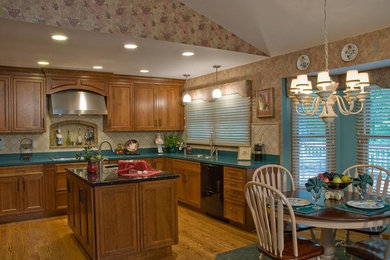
(286, 124)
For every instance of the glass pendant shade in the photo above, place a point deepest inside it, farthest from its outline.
(352, 78)
(187, 98)
(217, 93)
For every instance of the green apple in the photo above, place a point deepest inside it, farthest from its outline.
(337, 179)
(346, 178)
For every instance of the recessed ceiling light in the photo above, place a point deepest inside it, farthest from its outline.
(59, 37)
(97, 67)
(43, 62)
(144, 71)
(130, 46)
(188, 53)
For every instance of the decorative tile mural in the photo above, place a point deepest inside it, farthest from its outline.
(166, 20)
(268, 135)
(41, 142)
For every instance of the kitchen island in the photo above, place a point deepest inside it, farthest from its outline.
(115, 217)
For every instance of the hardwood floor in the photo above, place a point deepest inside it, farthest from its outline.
(200, 237)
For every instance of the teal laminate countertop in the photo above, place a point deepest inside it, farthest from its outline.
(225, 158)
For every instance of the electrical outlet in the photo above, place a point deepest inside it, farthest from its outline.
(1, 143)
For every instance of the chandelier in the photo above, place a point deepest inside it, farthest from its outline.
(301, 88)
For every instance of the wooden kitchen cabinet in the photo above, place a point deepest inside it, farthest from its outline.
(5, 111)
(159, 164)
(157, 107)
(80, 215)
(120, 107)
(235, 208)
(188, 185)
(158, 214)
(29, 110)
(22, 104)
(9, 195)
(21, 189)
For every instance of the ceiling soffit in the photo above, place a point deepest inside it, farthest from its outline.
(166, 20)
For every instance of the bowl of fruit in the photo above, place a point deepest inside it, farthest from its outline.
(336, 183)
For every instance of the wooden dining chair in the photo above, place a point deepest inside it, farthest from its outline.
(268, 206)
(370, 249)
(280, 178)
(380, 189)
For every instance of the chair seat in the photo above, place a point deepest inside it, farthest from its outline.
(372, 249)
(374, 231)
(306, 249)
(299, 227)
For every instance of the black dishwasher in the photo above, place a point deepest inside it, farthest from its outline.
(212, 189)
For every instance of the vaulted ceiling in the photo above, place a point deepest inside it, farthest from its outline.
(225, 32)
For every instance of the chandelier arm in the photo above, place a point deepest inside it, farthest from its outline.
(341, 105)
(313, 107)
(360, 109)
(297, 110)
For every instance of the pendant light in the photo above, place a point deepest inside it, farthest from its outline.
(217, 93)
(187, 97)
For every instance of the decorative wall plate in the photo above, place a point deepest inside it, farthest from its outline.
(303, 62)
(349, 52)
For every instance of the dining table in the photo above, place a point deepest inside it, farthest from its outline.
(330, 218)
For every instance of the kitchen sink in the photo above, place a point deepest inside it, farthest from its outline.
(63, 159)
(200, 156)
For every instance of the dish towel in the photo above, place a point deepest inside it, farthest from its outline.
(135, 168)
(364, 212)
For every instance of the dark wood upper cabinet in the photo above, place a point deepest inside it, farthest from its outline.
(5, 111)
(28, 96)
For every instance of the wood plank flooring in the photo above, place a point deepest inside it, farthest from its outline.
(200, 237)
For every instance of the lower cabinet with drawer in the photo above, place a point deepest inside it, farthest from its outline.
(235, 208)
(21, 190)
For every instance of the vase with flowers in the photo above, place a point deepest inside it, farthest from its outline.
(90, 156)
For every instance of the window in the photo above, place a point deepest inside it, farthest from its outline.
(313, 147)
(373, 126)
(227, 117)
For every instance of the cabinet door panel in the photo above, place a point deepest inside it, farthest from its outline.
(116, 219)
(9, 195)
(5, 123)
(144, 107)
(158, 214)
(193, 187)
(86, 232)
(169, 103)
(120, 107)
(29, 105)
(179, 168)
(33, 192)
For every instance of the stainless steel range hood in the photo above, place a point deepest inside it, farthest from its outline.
(75, 102)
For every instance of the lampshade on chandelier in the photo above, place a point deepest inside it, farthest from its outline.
(301, 88)
(217, 93)
(187, 97)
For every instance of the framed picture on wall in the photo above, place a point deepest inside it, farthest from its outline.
(244, 153)
(265, 102)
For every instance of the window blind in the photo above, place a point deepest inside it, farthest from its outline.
(373, 125)
(227, 117)
(313, 147)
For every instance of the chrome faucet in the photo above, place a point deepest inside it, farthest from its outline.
(107, 142)
(213, 149)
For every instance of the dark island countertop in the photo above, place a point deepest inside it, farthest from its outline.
(109, 177)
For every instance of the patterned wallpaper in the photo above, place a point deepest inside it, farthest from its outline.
(373, 46)
(41, 142)
(166, 20)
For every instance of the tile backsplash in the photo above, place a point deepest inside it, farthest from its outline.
(41, 142)
(268, 135)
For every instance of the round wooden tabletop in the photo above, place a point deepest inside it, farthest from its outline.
(333, 218)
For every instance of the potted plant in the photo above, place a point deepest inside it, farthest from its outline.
(90, 156)
(171, 142)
